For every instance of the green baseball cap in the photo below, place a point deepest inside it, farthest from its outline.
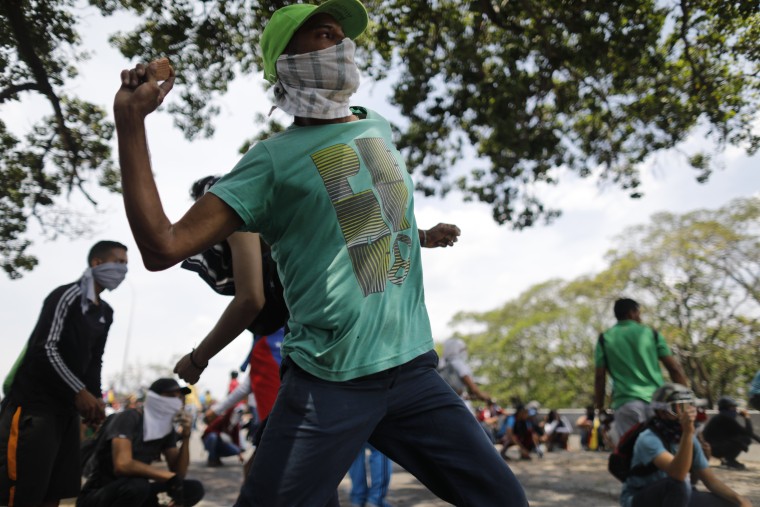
(351, 15)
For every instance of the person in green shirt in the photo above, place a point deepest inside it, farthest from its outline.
(631, 353)
(332, 196)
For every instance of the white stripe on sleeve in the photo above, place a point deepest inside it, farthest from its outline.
(51, 344)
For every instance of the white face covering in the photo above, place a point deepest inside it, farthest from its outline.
(108, 275)
(317, 84)
(158, 415)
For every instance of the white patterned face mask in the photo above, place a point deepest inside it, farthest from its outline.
(318, 84)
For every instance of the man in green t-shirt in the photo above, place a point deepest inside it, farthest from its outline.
(631, 353)
(332, 196)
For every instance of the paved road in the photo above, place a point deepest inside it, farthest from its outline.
(558, 480)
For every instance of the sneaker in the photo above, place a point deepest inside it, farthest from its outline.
(214, 463)
(735, 465)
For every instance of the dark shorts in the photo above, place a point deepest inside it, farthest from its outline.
(39, 457)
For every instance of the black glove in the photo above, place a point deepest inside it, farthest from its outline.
(174, 487)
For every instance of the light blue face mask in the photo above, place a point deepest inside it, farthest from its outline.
(109, 274)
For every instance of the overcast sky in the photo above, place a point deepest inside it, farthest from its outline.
(160, 316)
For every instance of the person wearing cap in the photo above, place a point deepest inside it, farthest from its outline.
(454, 367)
(518, 430)
(728, 438)
(55, 385)
(332, 196)
(669, 447)
(121, 470)
(631, 353)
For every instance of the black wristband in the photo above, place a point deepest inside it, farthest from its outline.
(192, 360)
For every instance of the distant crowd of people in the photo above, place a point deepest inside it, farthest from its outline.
(648, 417)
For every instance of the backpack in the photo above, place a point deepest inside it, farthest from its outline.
(89, 446)
(214, 266)
(8, 382)
(619, 462)
(452, 378)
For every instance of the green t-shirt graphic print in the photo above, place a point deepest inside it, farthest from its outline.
(336, 204)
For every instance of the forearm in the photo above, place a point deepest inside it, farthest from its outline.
(599, 388)
(134, 468)
(473, 389)
(679, 468)
(92, 381)
(748, 429)
(235, 319)
(240, 392)
(180, 463)
(719, 488)
(675, 370)
(150, 226)
(59, 310)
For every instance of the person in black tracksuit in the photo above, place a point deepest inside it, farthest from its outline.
(56, 382)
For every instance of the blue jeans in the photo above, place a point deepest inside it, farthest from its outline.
(380, 468)
(218, 448)
(672, 493)
(408, 413)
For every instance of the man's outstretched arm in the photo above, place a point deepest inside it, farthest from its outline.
(675, 370)
(161, 243)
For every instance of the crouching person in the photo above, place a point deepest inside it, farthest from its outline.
(121, 471)
(671, 451)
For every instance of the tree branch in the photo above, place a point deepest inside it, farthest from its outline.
(13, 90)
(26, 45)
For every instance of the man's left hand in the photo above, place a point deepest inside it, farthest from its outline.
(187, 369)
(442, 235)
(140, 93)
(185, 421)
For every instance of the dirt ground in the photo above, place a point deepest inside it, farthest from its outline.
(560, 479)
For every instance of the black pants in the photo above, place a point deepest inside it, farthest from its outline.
(409, 413)
(729, 448)
(137, 492)
(39, 456)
